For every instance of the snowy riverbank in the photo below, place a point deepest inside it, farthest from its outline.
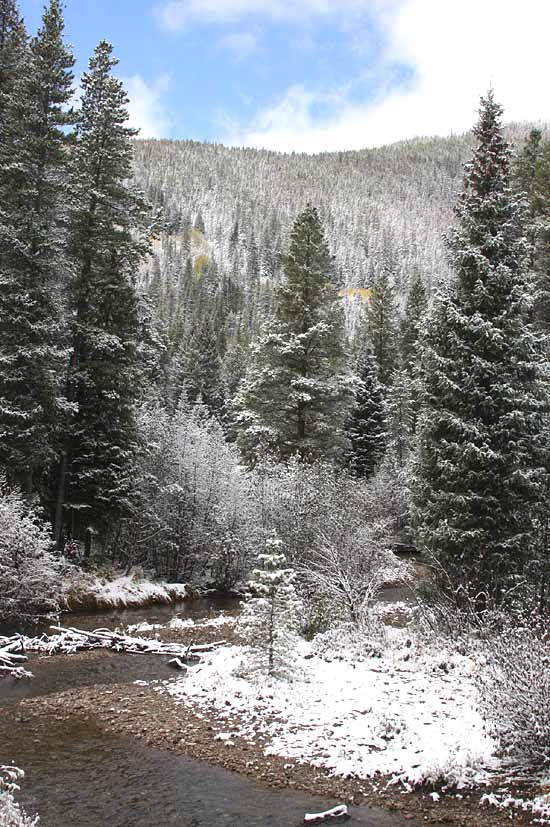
(83, 591)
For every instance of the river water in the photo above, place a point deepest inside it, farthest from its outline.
(76, 774)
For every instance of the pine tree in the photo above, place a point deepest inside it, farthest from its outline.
(35, 88)
(382, 323)
(270, 620)
(108, 244)
(400, 413)
(366, 427)
(297, 391)
(532, 176)
(479, 471)
(198, 367)
(525, 170)
(415, 311)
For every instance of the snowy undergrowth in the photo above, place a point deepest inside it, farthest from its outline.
(90, 591)
(539, 806)
(361, 707)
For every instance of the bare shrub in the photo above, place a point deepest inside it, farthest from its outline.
(514, 690)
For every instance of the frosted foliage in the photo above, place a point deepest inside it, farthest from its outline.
(11, 815)
(194, 519)
(269, 622)
(515, 695)
(29, 572)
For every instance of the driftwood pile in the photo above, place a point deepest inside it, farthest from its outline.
(12, 656)
(68, 641)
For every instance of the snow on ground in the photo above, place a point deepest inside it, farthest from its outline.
(407, 714)
(123, 591)
(181, 623)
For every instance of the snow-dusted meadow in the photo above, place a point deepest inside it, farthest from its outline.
(395, 709)
(401, 713)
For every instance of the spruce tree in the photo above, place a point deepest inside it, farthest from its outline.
(270, 619)
(401, 420)
(35, 88)
(198, 367)
(532, 176)
(297, 391)
(415, 311)
(107, 245)
(479, 472)
(366, 426)
(382, 323)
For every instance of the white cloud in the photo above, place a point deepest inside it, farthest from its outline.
(456, 49)
(241, 44)
(147, 110)
(175, 15)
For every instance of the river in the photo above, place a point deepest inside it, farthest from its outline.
(76, 774)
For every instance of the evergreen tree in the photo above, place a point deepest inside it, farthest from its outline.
(297, 392)
(382, 323)
(366, 427)
(400, 413)
(35, 87)
(525, 170)
(415, 311)
(270, 620)
(198, 367)
(479, 471)
(107, 245)
(532, 176)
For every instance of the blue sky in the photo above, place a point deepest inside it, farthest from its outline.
(314, 75)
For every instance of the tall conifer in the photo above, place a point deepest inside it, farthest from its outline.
(35, 88)
(479, 473)
(297, 391)
(107, 247)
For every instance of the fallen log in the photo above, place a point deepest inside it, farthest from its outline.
(340, 812)
(10, 657)
(69, 640)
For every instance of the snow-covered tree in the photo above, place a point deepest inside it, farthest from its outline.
(29, 572)
(270, 620)
(415, 310)
(479, 475)
(382, 327)
(108, 244)
(297, 391)
(366, 427)
(35, 89)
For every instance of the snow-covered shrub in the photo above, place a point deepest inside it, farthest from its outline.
(336, 535)
(349, 574)
(192, 519)
(11, 814)
(270, 621)
(514, 691)
(29, 572)
(347, 641)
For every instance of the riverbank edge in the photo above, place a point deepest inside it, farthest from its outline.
(147, 714)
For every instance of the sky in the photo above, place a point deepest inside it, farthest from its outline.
(315, 75)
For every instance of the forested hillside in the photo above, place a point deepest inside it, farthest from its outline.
(229, 212)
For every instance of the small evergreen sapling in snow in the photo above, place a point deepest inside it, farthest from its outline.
(269, 622)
